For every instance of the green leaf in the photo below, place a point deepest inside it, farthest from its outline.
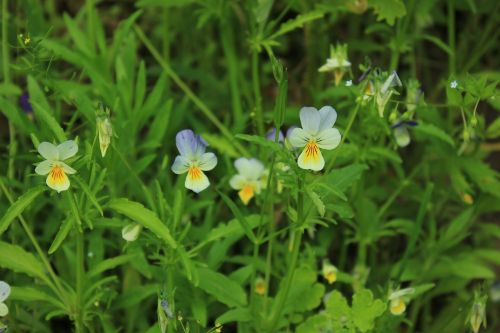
(305, 292)
(28, 294)
(259, 140)
(222, 288)
(436, 132)
(318, 203)
(51, 123)
(297, 22)
(388, 10)
(240, 217)
(235, 315)
(341, 179)
(61, 235)
(365, 310)
(493, 130)
(19, 206)
(81, 41)
(144, 216)
(17, 259)
(85, 188)
(110, 264)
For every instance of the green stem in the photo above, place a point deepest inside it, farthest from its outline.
(346, 133)
(6, 79)
(297, 240)
(189, 93)
(259, 117)
(58, 287)
(80, 274)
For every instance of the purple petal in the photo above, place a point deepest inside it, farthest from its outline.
(271, 135)
(186, 142)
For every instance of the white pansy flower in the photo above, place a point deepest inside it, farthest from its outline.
(316, 133)
(193, 160)
(249, 178)
(54, 165)
(398, 300)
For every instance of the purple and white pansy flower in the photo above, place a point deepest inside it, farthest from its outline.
(193, 159)
(317, 133)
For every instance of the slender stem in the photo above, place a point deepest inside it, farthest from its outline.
(59, 290)
(259, 117)
(6, 79)
(346, 133)
(80, 273)
(189, 93)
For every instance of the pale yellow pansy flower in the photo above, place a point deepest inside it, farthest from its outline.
(54, 165)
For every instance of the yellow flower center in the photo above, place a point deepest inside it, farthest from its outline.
(194, 173)
(246, 193)
(312, 150)
(57, 175)
(260, 288)
(398, 306)
(331, 276)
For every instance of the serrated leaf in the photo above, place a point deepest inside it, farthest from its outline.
(365, 310)
(434, 131)
(222, 288)
(388, 10)
(19, 206)
(297, 22)
(318, 203)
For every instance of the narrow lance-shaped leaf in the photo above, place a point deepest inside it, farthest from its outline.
(19, 206)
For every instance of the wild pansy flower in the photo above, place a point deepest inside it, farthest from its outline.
(477, 314)
(337, 63)
(398, 300)
(104, 129)
(329, 272)
(249, 178)
(54, 165)
(131, 232)
(4, 294)
(385, 91)
(271, 135)
(401, 133)
(316, 133)
(193, 160)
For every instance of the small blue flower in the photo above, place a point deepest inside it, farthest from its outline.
(348, 83)
(454, 84)
(193, 160)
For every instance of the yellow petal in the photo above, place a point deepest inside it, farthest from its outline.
(246, 193)
(196, 180)
(57, 179)
(398, 306)
(311, 157)
(331, 276)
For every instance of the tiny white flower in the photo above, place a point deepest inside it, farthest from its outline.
(316, 133)
(348, 83)
(54, 165)
(193, 160)
(249, 178)
(4, 294)
(453, 84)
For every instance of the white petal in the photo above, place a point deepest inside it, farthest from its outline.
(181, 165)
(237, 182)
(131, 231)
(309, 118)
(67, 149)
(250, 168)
(48, 151)
(328, 116)
(314, 162)
(4, 310)
(402, 136)
(44, 167)
(4, 291)
(298, 137)
(328, 138)
(208, 161)
(67, 169)
(196, 181)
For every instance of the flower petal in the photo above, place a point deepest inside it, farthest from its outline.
(246, 194)
(4, 310)
(237, 182)
(44, 167)
(4, 291)
(48, 151)
(196, 180)
(328, 138)
(250, 168)
(310, 118)
(67, 169)
(311, 158)
(57, 179)
(402, 136)
(67, 149)
(328, 116)
(181, 165)
(208, 161)
(298, 137)
(186, 142)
